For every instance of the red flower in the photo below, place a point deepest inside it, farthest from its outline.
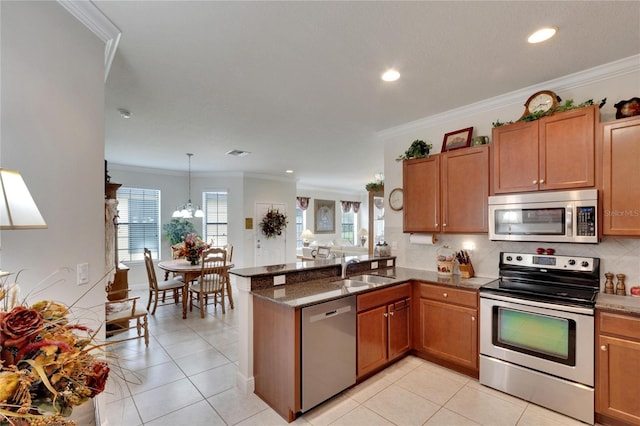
(97, 380)
(19, 326)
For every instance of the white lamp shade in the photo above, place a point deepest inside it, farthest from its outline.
(306, 234)
(363, 233)
(17, 208)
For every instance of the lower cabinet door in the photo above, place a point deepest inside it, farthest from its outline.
(372, 339)
(399, 328)
(618, 379)
(449, 332)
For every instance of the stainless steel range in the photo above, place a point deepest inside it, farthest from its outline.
(537, 331)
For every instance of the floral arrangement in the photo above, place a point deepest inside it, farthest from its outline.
(191, 248)
(47, 364)
(273, 223)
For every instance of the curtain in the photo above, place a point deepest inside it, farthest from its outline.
(346, 206)
(356, 206)
(303, 202)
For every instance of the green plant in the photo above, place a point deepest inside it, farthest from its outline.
(177, 229)
(566, 106)
(418, 149)
(374, 186)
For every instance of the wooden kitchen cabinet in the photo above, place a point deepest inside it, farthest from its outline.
(421, 189)
(464, 179)
(447, 192)
(617, 374)
(383, 327)
(620, 167)
(554, 152)
(446, 327)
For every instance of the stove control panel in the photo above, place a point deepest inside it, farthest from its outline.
(542, 261)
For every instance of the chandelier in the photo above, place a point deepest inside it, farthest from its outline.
(187, 211)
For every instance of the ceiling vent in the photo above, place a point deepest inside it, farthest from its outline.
(238, 153)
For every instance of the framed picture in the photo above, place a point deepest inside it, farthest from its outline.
(457, 139)
(325, 216)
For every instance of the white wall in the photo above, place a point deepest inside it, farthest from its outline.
(618, 255)
(53, 133)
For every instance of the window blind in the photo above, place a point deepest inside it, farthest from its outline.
(138, 223)
(216, 216)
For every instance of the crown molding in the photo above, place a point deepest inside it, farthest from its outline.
(91, 17)
(568, 82)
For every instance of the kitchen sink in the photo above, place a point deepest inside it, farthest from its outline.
(372, 279)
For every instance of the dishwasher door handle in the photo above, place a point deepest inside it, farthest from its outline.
(329, 314)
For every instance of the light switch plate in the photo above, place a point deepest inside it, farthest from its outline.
(83, 273)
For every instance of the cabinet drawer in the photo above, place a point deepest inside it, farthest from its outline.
(620, 325)
(383, 296)
(449, 295)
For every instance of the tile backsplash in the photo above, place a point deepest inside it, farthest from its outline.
(617, 255)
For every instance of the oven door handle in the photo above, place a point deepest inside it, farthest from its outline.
(526, 302)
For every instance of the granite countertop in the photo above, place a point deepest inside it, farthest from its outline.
(299, 266)
(624, 304)
(317, 291)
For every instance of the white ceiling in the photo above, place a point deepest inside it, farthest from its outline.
(298, 83)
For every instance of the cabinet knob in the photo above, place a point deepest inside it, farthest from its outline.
(391, 313)
(445, 295)
(534, 182)
(603, 348)
(444, 225)
(436, 225)
(385, 314)
(473, 318)
(541, 181)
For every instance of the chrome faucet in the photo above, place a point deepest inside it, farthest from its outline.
(345, 265)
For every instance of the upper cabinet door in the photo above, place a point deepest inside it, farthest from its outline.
(515, 157)
(567, 149)
(620, 168)
(465, 190)
(421, 187)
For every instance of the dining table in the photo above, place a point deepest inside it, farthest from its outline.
(189, 273)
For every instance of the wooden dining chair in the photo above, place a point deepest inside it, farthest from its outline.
(229, 249)
(212, 281)
(174, 285)
(120, 313)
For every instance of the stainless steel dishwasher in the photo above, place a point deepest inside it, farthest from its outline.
(328, 350)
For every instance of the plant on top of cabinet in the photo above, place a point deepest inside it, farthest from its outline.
(418, 149)
(568, 105)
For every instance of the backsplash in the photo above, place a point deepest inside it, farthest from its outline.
(617, 255)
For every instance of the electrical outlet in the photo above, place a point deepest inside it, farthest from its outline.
(279, 279)
(83, 273)
(374, 265)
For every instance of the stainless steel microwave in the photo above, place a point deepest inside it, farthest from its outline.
(555, 217)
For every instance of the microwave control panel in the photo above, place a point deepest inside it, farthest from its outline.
(586, 221)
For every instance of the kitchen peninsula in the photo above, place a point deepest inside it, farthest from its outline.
(399, 312)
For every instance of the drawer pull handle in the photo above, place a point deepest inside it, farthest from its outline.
(603, 348)
(445, 295)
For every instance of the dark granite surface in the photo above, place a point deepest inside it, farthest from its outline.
(298, 266)
(624, 304)
(316, 291)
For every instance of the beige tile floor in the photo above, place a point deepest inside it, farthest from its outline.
(187, 377)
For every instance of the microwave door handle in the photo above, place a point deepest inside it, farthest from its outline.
(569, 222)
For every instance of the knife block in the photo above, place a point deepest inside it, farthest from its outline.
(466, 271)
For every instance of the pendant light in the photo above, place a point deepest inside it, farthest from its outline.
(187, 211)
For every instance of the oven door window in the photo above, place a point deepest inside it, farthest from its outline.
(530, 221)
(542, 336)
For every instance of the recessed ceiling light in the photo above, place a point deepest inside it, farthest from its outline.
(124, 113)
(288, 171)
(542, 34)
(390, 75)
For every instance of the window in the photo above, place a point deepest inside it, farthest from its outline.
(300, 216)
(348, 226)
(138, 223)
(215, 213)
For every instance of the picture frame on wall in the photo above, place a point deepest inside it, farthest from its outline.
(456, 140)
(325, 216)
